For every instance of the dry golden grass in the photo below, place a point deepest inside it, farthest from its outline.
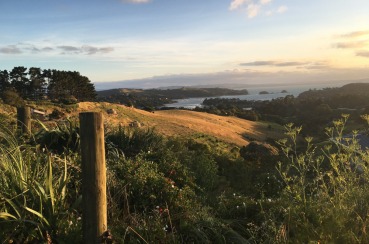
(186, 123)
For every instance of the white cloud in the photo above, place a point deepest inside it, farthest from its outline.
(254, 8)
(235, 4)
(265, 2)
(282, 9)
(356, 34)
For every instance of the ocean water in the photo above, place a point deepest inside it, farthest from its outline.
(274, 92)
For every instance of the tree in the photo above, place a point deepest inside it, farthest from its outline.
(19, 80)
(64, 84)
(4, 80)
(36, 83)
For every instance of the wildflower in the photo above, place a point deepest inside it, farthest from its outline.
(165, 228)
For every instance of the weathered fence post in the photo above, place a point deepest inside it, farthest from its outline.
(24, 119)
(94, 218)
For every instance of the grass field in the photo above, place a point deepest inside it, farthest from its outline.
(189, 123)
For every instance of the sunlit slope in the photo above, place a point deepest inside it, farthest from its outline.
(186, 123)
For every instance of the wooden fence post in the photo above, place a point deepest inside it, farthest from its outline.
(24, 119)
(94, 215)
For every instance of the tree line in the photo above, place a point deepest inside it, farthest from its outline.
(41, 84)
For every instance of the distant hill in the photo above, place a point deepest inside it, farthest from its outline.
(174, 93)
(353, 95)
(349, 89)
(153, 98)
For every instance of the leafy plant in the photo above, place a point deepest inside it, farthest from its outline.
(34, 202)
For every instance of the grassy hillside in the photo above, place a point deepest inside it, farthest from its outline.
(188, 123)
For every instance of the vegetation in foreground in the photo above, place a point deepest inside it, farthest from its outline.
(179, 191)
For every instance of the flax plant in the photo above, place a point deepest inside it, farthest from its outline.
(33, 190)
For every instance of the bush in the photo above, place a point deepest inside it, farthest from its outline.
(11, 97)
(325, 194)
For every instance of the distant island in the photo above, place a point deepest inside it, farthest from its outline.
(263, 92)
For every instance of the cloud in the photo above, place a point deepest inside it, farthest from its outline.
(89, 50)
(136, 1)
(93, 50)
(66, 49)
(264, 2)
(346, 45)
(300, 65)
(69, 49)
(355, 34)
(289, 64)
(253, 8)
(274, 63)
(363, 53)
(47, 49)
(355, 40)
(259, 63)
(351, 45)
(236, 4)
(282, 9)
(11, 49)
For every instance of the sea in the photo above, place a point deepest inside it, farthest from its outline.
(254, 94)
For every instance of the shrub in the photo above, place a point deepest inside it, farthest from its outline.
(11, 97)
(325, 194)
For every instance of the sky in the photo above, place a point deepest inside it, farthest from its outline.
(153, 43)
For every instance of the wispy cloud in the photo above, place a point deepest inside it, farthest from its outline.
(89, 50)
(235, 4)
(356, 34)
(282, 9)
(253, 8)
(303, 65)
(274, 63)
(358, 44)
(136, 1)
(11, 49)
(64, 49)
(358, 41)
(363, 53)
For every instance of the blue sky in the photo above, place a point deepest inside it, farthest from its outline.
(189, 42)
